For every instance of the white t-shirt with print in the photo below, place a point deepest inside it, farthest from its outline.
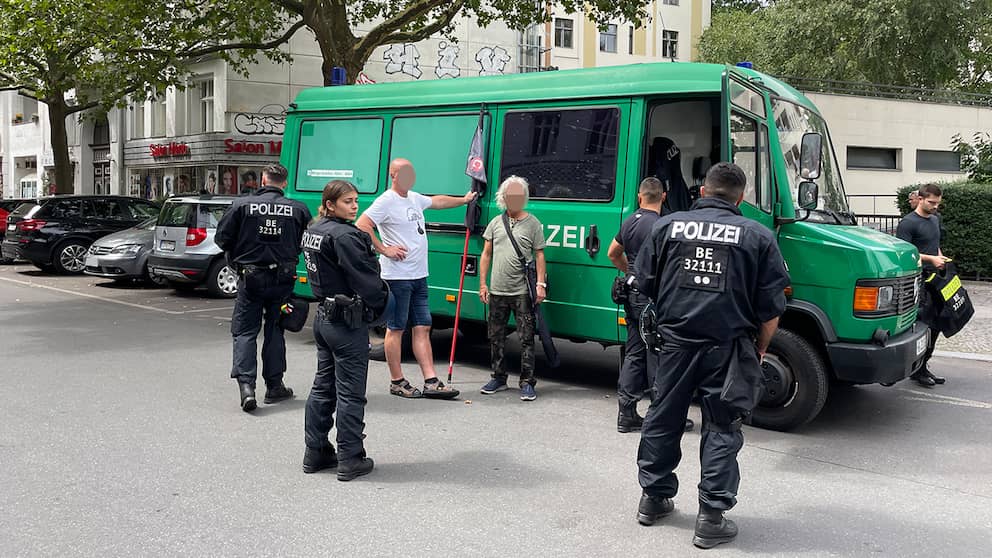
(400, 221)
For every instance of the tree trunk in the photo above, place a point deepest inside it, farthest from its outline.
(60, 146)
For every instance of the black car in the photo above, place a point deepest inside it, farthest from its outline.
(55, 233)
(7, 206)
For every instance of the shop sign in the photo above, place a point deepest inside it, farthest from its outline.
(254, 147)
(171, 149)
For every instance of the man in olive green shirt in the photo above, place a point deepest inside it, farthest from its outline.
(508, 290)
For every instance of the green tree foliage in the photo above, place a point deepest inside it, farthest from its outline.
(335, 23)
(921, 43)
(81, 55)
(976, 156)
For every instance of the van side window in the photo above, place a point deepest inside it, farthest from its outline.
(437, 145)
(749, 150)
(339, 149)
(564, 154)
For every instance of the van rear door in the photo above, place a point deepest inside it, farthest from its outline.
(574, 156)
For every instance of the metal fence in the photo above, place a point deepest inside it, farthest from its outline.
(884, 223)
(866, 89)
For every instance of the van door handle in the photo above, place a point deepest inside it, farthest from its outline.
(592, 241)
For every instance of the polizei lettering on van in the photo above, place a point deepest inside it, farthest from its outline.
(703, 231)
(270, 209)
(565, 236)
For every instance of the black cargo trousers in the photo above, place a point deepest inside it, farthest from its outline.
(638, 368)
(338, 387)
(260, 294)
(682, 371)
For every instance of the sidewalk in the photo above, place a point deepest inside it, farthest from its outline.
(976, 337)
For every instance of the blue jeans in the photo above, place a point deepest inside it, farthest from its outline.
(407, 301)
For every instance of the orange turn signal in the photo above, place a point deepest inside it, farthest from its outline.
(865, 299)
(303, 280)
(450, 298)
(622, 321)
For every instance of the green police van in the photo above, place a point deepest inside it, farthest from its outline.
(584, 139)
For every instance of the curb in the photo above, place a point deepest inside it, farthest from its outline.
(964, 356)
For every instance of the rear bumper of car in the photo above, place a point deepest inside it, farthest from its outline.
(10, 249)
(33, 250)
(187, 268)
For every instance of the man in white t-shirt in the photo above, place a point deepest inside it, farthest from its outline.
(398, 215)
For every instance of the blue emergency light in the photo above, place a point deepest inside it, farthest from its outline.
(748, 65)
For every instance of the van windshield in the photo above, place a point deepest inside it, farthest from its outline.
(792, 121)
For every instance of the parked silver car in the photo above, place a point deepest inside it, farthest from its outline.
(184, 252)
(122, 256)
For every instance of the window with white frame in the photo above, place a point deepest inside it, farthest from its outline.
(670, 44)
(158, 117)
(200, 105)
(608, 39)
(138, 120)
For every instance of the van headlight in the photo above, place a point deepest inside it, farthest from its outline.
(126, 250)
(874, 299)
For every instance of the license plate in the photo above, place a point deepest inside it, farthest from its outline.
(168, 245)
(921, 344)
(92, 262)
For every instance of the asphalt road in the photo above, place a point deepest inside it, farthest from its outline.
(120, 435)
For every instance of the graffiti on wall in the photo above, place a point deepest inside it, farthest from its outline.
(405, 59)
(268, 119)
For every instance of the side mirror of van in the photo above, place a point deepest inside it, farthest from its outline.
(809, 195)
(811, 156)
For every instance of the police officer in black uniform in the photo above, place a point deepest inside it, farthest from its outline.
(260, 236)
(637, 371)
(344, 274)
(717, 280)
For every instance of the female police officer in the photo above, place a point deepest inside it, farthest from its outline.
(344, 275)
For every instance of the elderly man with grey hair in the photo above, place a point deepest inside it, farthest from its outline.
(507, 290)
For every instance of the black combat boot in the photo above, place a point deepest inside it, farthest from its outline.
(319, 459)
(628, 420)
(277, 392)
(353, 468)
(248, 402)
(653, 508)
(712, 528)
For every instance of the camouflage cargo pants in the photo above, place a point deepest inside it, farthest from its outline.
(499, 316)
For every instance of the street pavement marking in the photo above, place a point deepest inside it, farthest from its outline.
(946, 399)
(207, 310)
(93, 296)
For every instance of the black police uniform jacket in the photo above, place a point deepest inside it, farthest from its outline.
(340, 260)
(714, 275)
(263, 229)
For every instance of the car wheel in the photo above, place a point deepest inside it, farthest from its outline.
(69, 258)
(796, 383)
(150, 279)
(222, 282)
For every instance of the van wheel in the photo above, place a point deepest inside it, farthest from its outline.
(796, 383)
(69, 258)
(221, 280)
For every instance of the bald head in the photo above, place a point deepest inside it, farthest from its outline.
(402, 175)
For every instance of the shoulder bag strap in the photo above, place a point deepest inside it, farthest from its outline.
(513, 240)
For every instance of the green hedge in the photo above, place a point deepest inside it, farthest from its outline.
(966, 215)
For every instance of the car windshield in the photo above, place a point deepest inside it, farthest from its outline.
(792, 122)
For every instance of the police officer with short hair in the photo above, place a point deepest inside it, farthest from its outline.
(260, 236)
(717, 280)
(344, 273)
(637, 370)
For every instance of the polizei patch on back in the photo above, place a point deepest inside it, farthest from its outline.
(270, 209)
(704, 231)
